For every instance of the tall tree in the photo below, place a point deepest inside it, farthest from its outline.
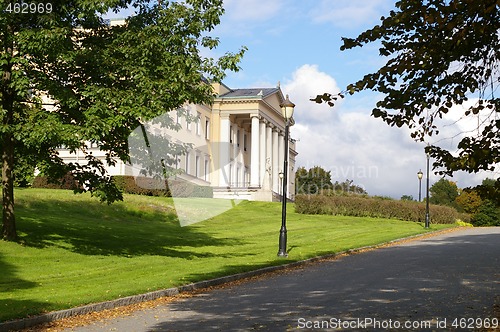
(312, 181)
(348, 186)
(444, 192)
(469, 201)
(489, 189)
(440, 53)
(68, 78)
(488, 213)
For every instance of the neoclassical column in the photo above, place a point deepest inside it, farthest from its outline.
(262, 158)
(269, 157)
(234, 156)
(275, 172)
(240, 159)
(224, 152)
(234, 138)
(254, 152)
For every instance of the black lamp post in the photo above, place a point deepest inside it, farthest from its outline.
(427, 217)
(420, 175)
(287, 111)
(280, 174)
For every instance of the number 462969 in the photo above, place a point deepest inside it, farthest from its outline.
(29, 8)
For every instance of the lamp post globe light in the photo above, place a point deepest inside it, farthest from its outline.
(287, 111)
(420, 176)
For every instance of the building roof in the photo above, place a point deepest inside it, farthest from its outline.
(249, 93)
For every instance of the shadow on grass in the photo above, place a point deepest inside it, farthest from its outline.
(92, 228)
(11, 281)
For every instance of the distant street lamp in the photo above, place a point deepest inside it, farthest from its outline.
(420, 175)
(427, 216)
(287, 111)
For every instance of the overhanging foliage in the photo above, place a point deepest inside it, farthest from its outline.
(440, 53)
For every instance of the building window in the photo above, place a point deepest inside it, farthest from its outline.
(231, 134)
(238, 138)
(198, 124)
(207, 128)
(245, 141)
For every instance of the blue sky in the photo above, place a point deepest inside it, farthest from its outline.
(283, 35)
(297, 42)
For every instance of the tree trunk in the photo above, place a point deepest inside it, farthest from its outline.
(9, 221)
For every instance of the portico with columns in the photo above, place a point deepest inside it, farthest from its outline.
(250, 144)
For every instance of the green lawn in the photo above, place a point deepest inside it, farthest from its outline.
(74, 250)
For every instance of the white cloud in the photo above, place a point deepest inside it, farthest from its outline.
(349, 14)
(453, 128)
(250, 18)
(251, 10)
(352, 144)
(455, 125)
(307, 82)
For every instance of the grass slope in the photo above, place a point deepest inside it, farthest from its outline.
(75, 250)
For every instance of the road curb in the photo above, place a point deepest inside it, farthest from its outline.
(134, 299)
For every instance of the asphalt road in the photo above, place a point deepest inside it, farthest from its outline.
(438, 283)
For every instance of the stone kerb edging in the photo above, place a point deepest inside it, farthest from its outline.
(134, 299)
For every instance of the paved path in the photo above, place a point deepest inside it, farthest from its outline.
(453, 275)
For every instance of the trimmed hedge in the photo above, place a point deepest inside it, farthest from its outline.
(142, 186)
(153, 187)
(182, 188)
(67, 182)
(357, 206)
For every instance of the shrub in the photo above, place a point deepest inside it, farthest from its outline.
(24, 174)
(464, 224)
(136, 186)
(66, 182)
(488, 215)
(155, 187)
(182, 188)
(359, 206)
(143, 186)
